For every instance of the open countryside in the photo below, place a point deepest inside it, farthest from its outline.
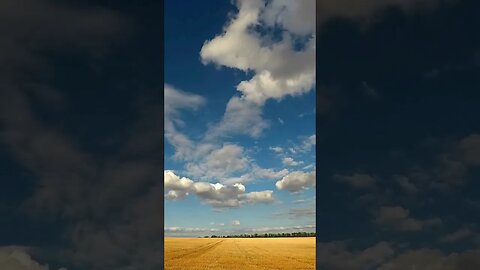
(239, 253)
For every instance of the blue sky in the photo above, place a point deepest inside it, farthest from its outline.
(249, 139)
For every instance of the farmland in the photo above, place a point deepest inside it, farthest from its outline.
(239, 253)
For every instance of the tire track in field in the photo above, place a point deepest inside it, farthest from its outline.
(197, 251)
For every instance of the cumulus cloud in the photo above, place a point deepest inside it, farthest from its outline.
(297, 181)
(279, 68)
(18, 259)
(357, 180)
(229, 164)
(217, 195)
(217, 162)
(173, 181)
(265, 196)
(229, 158)
(236, 222)
(397, 218)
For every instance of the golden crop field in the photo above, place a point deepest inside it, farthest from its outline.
(239, 253)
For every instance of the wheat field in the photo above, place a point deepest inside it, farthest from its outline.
(239, 253)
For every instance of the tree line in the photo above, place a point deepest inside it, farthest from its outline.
(265, 235)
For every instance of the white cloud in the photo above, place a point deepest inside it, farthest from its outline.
(17, 259)
(217, 195)
(177, 187)
(269, 173)
(291, 162)
(279, 69)
(276, 149)
(174, 182)
(229, 158)
(310, 141)
(265, 196)
(310, 166)
(297, 181)
(175, 101)
(296, 16)
(219, 163)
(241, 117)
(175, 194)
(305, 145)
(236, 222)
(255, 173)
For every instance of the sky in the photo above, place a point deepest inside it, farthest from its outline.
(239, 117)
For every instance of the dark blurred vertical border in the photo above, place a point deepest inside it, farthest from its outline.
(162, 80)
(317, 162)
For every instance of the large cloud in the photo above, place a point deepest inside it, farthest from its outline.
(297, 181)
(217, 195)
(279, 68)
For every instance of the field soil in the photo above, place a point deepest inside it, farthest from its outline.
(239, 253)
